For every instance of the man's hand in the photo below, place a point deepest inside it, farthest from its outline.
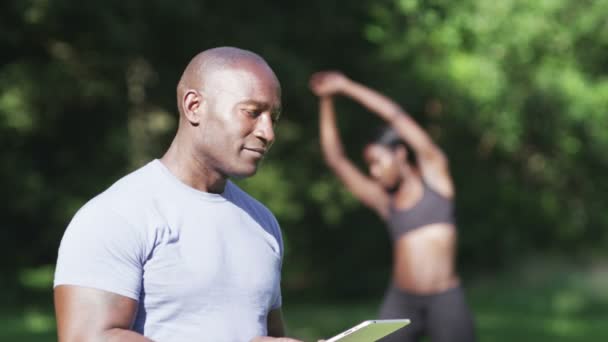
(274, 339)
(327, 83)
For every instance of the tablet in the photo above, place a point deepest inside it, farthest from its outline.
(370, 331)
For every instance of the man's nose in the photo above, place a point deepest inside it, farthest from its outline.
(265, 128)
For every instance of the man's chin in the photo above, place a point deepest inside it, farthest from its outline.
(241, 174)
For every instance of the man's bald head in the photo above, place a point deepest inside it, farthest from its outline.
(197, 74)
(229, 101)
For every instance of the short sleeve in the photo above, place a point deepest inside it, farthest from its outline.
(276, 231)
(101, 250)
(278, 299)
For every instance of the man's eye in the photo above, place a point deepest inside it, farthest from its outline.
(251, 112)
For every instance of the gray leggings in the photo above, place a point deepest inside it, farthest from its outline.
(444, 317)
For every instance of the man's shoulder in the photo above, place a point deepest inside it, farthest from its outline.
(260, 213)
(127, 194)
(247, 201)
(242, 195)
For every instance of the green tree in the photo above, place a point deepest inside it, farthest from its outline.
(521, 92)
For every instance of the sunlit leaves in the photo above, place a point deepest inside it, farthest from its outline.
(529, 80)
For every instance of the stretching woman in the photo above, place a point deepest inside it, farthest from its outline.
(410, 188)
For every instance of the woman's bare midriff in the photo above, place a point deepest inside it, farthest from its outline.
(424, 259)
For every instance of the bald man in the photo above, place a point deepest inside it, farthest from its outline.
(175, 251)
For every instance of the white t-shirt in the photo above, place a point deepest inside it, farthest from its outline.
(203, 267)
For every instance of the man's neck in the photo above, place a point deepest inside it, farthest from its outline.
(192, 171)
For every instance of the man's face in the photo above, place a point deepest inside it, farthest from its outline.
(241, 107)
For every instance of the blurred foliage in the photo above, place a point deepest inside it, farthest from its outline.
(520, 92)
(515, 91)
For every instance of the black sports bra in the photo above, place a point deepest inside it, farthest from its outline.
(431, 208)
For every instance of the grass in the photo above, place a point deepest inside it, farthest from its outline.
(27, 325)
(539, 302)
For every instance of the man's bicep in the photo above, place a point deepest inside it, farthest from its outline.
(101, 250)
(85, 313)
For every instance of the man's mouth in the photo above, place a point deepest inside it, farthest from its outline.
(260, 150)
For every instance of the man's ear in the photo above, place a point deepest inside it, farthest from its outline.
(193, 106)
